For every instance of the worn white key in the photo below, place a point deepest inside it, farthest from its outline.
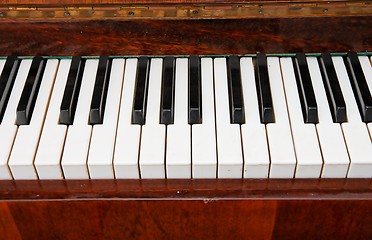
(178, 155)
(229, 150)
(283, 160)
(367, 70)
(305, 140)
(153, 133)
(76, 149)
(204, 151)
(21, 161)
(128, 135)
(47, 160)
(103, 135)
(335, 155)
(8, 128)
(355, 131)
(256, 155)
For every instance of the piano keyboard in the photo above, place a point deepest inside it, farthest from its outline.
(176, 117)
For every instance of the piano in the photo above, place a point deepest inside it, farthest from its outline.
(185, 119)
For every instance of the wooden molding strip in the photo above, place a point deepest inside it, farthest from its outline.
(356, 189)
(181, 11)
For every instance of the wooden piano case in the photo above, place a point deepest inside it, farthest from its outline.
(185, 209)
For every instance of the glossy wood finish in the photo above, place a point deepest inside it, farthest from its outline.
(185, 37)
(188, 189)
(59, 2)
(214, 209)
(194, 219)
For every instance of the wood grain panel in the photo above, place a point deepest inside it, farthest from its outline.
(193, 219)
(185, 37)
(8, 228)
(323, 220)
(186, 209)
(144, 219)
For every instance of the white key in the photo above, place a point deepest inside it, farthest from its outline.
(283, 160)
(128, 135)
(355, 131)
(26, 143)
(256, 155)
(204, 151)
(2, 63)
(4, 171)
(229, 145)
(306, 145)
(153, 134)
(47, 160)
(178, 155)
(8, 128)
(367, 70)
(335, 156)
(103, 136)
(76, 149)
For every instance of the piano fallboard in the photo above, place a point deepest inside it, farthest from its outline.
(185, 36)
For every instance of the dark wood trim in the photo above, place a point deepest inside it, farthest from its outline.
(184, 37)
(180, 11)
(188, 189)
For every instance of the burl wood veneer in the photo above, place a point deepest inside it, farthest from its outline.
(186, 37)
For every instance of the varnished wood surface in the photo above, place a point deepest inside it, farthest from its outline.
(188, 189)
(187, 209)
(61, 2)
(185, 37)
(196, 219)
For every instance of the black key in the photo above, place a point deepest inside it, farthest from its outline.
(167, 96)
(334, 94)
(305, 89)
(98, 104)
(235, 90)
(263, 90)
(30, 91)
(359, 85)
(195, 99)
(72, 90)
(7, 78)
(140, 92)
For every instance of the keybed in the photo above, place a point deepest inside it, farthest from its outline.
(259, 116)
